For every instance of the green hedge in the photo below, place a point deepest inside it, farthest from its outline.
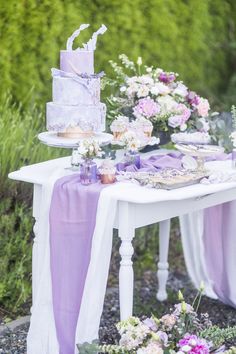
(188, 36)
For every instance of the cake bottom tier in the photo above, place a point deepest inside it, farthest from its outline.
(87, 117)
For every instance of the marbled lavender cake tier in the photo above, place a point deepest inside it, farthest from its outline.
(60, 117)
(77, 61)
(74, 91)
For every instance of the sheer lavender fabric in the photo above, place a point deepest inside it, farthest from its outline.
(154, 163)
(72, 221)
(219, 238)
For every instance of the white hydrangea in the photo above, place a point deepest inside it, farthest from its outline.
(167, 104)
(143, 91)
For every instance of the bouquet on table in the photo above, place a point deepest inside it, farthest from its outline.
(182, 331)
(150, 98)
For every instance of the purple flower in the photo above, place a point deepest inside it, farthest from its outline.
(167, 78)
(163, 337)
(146, 107)
(150, 323)
(194, 345)
(193, 98)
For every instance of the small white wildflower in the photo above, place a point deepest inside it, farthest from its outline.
(139, 61)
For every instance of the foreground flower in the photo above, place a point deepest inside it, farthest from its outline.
(179, 309)
(146, 107)
(168, 321)
(152, 348)
(191, 344)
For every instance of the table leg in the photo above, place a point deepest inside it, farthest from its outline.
(163, 265)
(126, 274)
(35, 256)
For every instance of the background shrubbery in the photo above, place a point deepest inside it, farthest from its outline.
(196, 38)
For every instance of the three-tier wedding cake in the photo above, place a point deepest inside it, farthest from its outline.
(76, 110)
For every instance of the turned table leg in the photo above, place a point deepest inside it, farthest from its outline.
(35, 252)
(163, 265)
(126, 273)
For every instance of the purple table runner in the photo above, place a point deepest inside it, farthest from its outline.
(72, 221)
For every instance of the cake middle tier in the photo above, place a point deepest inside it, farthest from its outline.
(76, 90)
(87, 117)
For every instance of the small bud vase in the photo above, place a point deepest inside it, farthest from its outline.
(88, 172)
(132, 158)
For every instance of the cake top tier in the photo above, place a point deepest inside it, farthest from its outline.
(80, 60)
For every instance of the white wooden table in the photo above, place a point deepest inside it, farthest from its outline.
(144, 207)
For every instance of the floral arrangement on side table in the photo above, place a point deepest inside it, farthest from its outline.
(182, 331)
(157, 96)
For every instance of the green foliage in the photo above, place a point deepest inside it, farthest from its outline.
(194, 38)
(15, 255)
(218, 335)
(19, 146)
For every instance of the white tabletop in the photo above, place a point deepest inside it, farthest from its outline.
(125, 191)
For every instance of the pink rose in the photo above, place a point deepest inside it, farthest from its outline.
(203, 107)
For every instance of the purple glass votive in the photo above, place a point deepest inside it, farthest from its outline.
(133, 158)
(88, 172)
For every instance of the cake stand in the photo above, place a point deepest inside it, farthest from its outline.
(200, 152)
(53, 140)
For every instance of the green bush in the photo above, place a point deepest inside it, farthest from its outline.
(15, 255)
(190, 37)
(19, 146)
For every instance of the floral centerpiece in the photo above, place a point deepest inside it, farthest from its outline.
(155, 95)
(181, 331)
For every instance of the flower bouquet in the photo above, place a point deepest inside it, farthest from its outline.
(88, 150)
(152, 94)
(181, 331)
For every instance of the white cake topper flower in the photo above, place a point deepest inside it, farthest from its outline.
(70, 40)
(91, 44)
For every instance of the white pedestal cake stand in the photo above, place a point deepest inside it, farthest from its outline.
(53, 140)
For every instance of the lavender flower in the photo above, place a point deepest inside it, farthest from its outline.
(146, 107)
(167, 78)
(193, 98)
